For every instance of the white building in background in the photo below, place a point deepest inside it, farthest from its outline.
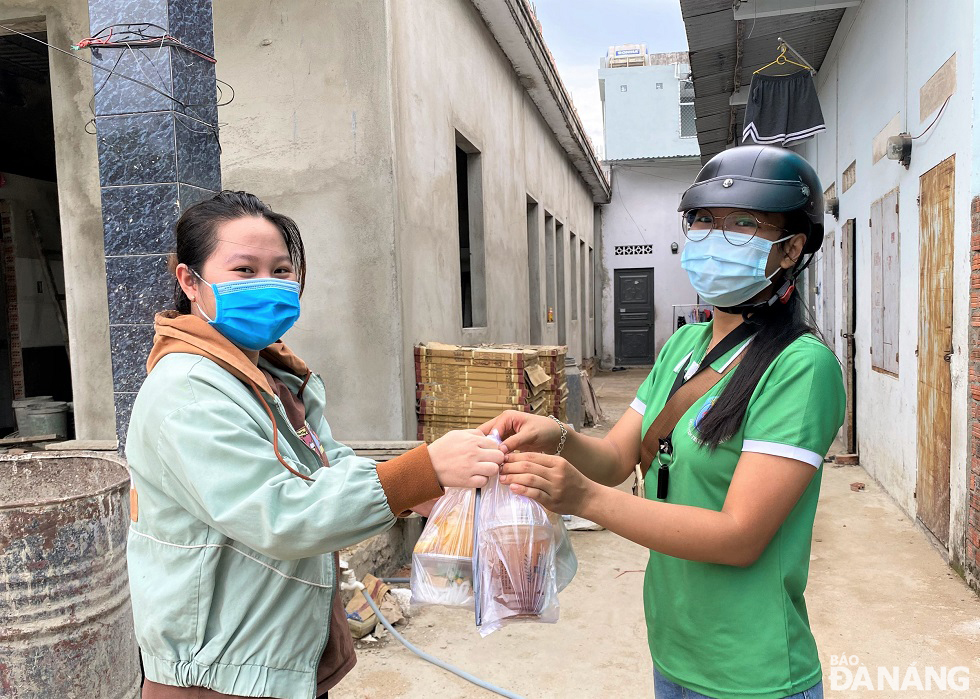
(652, 155)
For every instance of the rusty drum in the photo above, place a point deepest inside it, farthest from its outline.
(66, 625)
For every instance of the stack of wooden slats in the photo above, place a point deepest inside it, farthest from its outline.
(460, 387)
(552, 360)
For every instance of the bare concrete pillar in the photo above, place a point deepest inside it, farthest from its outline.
(158, 154)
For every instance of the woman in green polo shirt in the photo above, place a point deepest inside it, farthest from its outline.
(728, 515)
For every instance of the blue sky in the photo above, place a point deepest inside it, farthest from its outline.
(579, 32)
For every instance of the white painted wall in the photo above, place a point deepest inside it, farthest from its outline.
(640, 119)
(883, 53)
(643, 210)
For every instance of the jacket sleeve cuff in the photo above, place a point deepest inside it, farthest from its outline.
(409, 480)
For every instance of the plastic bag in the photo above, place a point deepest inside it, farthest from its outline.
(524, 559)
(442, 562)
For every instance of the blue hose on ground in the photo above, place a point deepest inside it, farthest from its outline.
(434, 660)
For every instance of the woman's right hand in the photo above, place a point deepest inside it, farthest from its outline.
(465, 459)
(525, 432)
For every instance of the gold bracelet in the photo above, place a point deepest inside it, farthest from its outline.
(564, 435)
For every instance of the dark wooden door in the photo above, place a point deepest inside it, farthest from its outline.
(935, 346)
(634, 316)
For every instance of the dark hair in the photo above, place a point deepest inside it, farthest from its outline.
(779, 325)
(197, 235)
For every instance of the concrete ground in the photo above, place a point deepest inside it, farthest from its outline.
(878, 594)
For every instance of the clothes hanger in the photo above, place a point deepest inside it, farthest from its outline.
(782, 60)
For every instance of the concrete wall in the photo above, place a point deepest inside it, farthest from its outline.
(450, 76)
(309, 132)
(313, 130)
(80, 214)
(643, 210)
(643, 121)
(863, 84)
(359, 147)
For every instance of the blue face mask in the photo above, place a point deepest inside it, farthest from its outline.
(254, 313)
(724, 274)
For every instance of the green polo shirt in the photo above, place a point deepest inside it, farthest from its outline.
(720, 630)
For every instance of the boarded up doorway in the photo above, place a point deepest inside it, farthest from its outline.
(849, 273)
(935, 346)
(828, 289)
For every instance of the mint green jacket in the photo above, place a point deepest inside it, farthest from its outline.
(230, 569)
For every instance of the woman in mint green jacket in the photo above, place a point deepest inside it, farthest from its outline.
(241, 496)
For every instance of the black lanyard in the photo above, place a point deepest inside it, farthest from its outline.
(732, 340)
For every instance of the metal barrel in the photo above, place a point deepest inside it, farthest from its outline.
(66, 623)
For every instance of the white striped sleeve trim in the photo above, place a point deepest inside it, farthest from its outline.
(776, 449)
(639, 406)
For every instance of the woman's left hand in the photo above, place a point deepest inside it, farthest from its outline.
(550, 480)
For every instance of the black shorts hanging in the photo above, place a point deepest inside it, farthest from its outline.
(782, 109)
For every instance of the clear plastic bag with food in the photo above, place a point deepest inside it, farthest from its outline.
(524, 559)
(442, 562)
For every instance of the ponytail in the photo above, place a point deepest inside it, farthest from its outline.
(779, 326)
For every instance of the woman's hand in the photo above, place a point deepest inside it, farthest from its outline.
(550, 480)
(525, 432)
(465, 459)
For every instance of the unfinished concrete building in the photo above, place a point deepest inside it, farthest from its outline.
(428, 150)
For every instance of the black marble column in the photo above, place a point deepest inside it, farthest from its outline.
(158, 154)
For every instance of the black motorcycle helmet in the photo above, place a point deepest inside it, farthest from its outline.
(762, 178)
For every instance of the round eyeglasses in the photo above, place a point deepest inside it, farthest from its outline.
(698, 223)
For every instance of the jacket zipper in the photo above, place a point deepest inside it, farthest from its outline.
(282, 414)
(328, 557)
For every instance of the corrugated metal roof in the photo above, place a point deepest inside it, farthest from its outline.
(652, 159)
(712, 38)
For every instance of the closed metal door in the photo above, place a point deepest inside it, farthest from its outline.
(634, 316)
(935, 346)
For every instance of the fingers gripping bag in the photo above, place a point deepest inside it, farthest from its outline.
(500, 554)
(442, 562)
(524, 559)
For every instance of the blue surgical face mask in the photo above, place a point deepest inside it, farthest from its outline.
(253, 313)
(724, 274)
